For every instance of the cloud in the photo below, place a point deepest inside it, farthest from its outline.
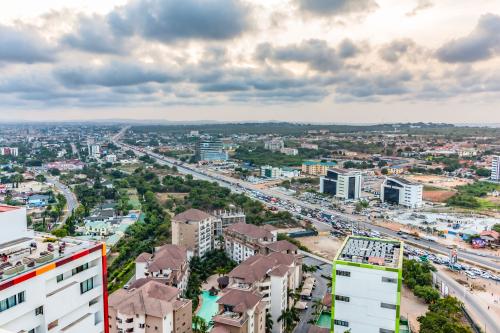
(93, 34)
(19, 45)
(347, 49)
(421, 5)
(369, 85)
(113, 74)
(481, 44)
(314, 52)
(336, 7)
(172, 20)
(393, 51)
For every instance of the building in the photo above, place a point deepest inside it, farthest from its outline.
(193, 229)
(495, 168)
(9, 151)
(270, 276)
(168, 264)
(50, 285)
(289, 151)
(267, 171)
(68, 165)
(306, 145)
(148, 306)
(241, 241)
(225, 218)
(111, 158)
(366, 286)
(400, 191)
(94, 150)
(240, 311)
(316, 168)
(211, 150)
(342, 184)
(287, 172)
(274, 145)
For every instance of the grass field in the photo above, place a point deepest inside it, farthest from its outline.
(134, 199)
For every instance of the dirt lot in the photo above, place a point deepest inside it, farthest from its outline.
(437, 195)
(163, 197)
(440, 181)
(412, 307)
(324, 246)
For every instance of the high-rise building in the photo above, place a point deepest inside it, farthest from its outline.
(149, 306)
(495, 168)
(193, 229)
(366, 286)
(211, 150)
(9, 151)
(342, 184)
(400, 191)
(94, 150)
(48, 284)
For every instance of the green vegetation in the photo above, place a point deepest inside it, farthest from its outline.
(444, 316)
(260, 156)
(358, 165)
(496, 227)
(469, 196)
(417, 276)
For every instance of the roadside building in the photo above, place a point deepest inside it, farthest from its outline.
(149, 306)
(342, 184)
(316, 168)
(47, 285)
(366, 285)
(495, 168)
(168, 264)
(400, 191)
(211, 150)
(271, 172)
(193, 229)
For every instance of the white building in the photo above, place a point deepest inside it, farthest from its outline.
(49, 286)
(366, 286)
(242, 241)
(12, 151)
(94, 150)
(274, 145)
(399, 191)
(342, 184)
(268, 171)
(111, 158)
(289, 151)
(495, 168)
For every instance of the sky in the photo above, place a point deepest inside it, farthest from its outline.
(331, 61)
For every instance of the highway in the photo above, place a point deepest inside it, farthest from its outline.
(71, 201)
(238, 186)
(483, 317)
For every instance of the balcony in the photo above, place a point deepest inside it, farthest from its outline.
(230, 318)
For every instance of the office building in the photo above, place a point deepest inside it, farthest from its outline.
(47, 284)
(268, 171)
(193, 229)
(400, 191)
(366, 286)
(342, 184)
(316, 168)
(270, 276)
(210, 151)
(495, 168)
(149, 306)
(274, 145)
(168, 264)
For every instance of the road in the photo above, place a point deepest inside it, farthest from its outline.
(235, 185)
(71, 201)
(483, 317)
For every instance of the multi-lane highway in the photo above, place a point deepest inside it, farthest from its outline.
(240, 186)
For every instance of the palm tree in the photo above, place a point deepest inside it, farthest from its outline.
(221, 271)
(317, 306)
(269, 322)
(289, 317)
(199, 325)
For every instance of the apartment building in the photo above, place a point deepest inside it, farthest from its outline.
(342, 184)
(274, 145)
(168, 264)
(270, 276)
(366, 286)
(316, 168)
(240, 311)
(241, 241)
(400, 191)
(9, 151)
(193, 229)
(268, 171)
(149, 306)
(495, 168)
(47, 284)
(289, 151)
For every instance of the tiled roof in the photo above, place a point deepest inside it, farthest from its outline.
(250, 230)
(191, 215)
(281, 246)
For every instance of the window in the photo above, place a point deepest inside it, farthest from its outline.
(389, 280)
(80, 268)
(31, 330)
(86, 285)
(12, 301)
(39, 311)
(342, 298)
(388, 306)
(341, 323)
(384, 330)
(343, 273)
(60, 277)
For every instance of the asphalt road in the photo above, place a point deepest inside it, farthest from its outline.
(71, 201)
(486, 319)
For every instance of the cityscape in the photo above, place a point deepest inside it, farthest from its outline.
(249, 166)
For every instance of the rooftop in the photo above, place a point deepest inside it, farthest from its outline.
(344, 171)
(319, 163)
(371, 251)
(191, 215)
(5, 208)
(402, 180)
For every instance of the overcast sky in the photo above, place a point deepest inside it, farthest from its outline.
(358, 61)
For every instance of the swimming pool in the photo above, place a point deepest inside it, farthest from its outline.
(324, 320)
(209, 306)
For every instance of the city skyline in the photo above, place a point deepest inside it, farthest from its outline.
(363, 61)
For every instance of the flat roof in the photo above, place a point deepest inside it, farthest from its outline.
(6, 208)
(345, 171)
(403, 180)
(319, 163)
(371, 251)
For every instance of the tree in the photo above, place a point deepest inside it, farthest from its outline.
(496, 227)
(54, 172)
(269, 322)
(199, 325)
(289, 317)
(427, 293)
(444, 316)
(384, 171)
(317, 306)
(40, 178)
